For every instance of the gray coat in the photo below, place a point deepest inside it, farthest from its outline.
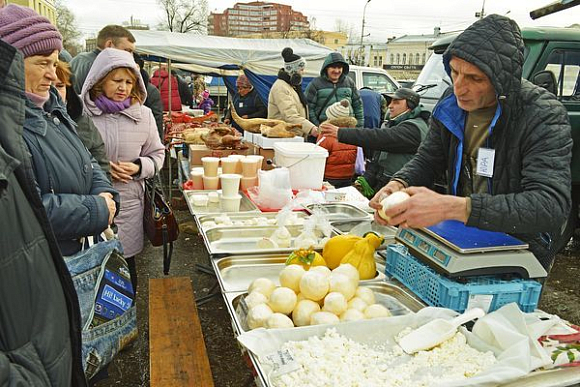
(40, 341)
(529, 193)
(80, 66)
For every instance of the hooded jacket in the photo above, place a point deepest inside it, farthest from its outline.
(529, 193)
(319, 90)
(40, 339)
(129, 135)
(161, 80)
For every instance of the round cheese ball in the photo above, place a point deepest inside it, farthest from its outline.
(358, 304)
(342, 284)
(320, 318)
(262, 285)
(282, 300)
(376, 311)
(290, 277)
(392, 200)
(254, 299)
(279, 320)
(350, 271)
(352, 315)
(335, 302)
(322, 270)
(258, 315)
(365, 294)
(302, 312)
(313, 285)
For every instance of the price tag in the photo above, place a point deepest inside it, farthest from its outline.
(485, 160)
(482, 301)
(282, 363)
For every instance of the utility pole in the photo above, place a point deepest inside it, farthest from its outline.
(362, 35)
(481, 14)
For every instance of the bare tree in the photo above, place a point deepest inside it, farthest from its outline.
(67, 26)
(346, 28)
(184, 16)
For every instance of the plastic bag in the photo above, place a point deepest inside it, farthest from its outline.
(274, 188)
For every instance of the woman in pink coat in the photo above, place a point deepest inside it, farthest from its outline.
(113, 95)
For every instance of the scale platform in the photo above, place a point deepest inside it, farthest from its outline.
(456, 250)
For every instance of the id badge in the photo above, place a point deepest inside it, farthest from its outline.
(485, 160)
(241, 105)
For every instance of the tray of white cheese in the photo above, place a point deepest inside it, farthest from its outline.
(201, 202)
(244, 219)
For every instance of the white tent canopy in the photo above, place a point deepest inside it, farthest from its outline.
(206, 54)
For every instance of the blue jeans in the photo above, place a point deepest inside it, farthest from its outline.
(102, 342)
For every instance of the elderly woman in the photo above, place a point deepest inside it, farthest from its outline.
(113, 95)
(247, 103)
(78, 198)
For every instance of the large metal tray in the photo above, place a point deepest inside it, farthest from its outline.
(240, 216)
(396, 299)
(222, 241)
(236, 273)
(246, 205)
(339, 211)
(361, 227)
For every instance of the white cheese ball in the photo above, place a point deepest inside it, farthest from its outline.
(335, 302)
(304, 309)
(320, 318)
(313, 285)
(376, 311)
(350, 271)
(365, 294)
(279, 320)
(258, 315)
(358, 304)
(262, 285)
(290, 277)
(352, 315)
(342, 284)
(300, 297)
(321, 269)
(254, 299)
(392, 200)
(282, 300)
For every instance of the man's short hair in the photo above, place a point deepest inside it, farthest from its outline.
(115, 33)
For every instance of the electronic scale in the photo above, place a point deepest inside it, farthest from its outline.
(456, 250)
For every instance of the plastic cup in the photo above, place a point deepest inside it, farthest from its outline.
(229, 164)
(211, 182)
(259, 160)
(230, 184)
(248, 182)
(210, 166)
(239, 164)
(230, 204)
(196, 177)
(249, 167)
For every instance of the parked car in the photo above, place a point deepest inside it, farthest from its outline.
(374, 78)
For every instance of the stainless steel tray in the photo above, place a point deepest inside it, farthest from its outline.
(236, 273)
(396, 299)
(240, 217)
(339, 211)
(361, 227)
(246, 205)
(222, 241)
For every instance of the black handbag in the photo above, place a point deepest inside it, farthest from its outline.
(159, 221)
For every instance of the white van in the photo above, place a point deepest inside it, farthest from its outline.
(374, 78)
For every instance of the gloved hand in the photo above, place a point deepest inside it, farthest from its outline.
(362, 185)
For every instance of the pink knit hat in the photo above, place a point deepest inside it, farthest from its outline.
(29, 32)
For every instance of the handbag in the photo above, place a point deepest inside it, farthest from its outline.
(159, 221)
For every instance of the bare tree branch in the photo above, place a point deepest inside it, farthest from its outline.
(184, 16)
(66, 24)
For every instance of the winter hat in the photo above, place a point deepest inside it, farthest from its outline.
(205, 94)
(292, 62)
(338, 110)
(28, 31)
(411, 96)
(243, 81)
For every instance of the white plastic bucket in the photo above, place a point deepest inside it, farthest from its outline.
(305, 161)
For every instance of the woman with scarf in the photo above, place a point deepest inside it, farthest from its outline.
(113, 96)
(286, 101)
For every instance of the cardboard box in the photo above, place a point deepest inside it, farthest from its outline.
(196, 152)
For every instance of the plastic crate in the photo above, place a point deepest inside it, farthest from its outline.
(488, 292)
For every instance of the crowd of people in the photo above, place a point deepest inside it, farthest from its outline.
(80, 137)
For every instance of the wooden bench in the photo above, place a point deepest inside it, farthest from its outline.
(176, 347)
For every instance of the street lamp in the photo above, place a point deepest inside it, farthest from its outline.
(362, 33)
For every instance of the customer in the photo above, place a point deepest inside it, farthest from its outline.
(161, 80)
(76, 193)
(206, 102)
(504, 144)
(247, 103)
(393, 145)
(153, 100)
(113, 96)
(286, 101)
(40, 331)
(110, 36)
(86, 130)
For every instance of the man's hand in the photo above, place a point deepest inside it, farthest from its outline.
(392, 186)
(314, 131)
(227, 121)
(327, 129)
(110, 205)
(425, 208)
(123, 170)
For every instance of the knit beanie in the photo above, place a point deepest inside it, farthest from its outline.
(243, 81)
(292, 62)
(29, 32)
(338, 110)
(205, 94)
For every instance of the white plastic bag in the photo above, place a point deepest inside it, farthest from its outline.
(274, 188)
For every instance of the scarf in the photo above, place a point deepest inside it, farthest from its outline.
(37, 100)
(296, 82)
(109, 106)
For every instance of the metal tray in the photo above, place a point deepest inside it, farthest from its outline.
(361, 227)
(339, 211)
(396, 299)
(222, 241)
(246, 205)
(240, 216)
(236, 273)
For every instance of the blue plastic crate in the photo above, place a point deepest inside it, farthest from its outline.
(437, 290)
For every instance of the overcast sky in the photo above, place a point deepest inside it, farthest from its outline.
(384, 18)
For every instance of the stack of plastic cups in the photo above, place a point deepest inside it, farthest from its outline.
(211, 180)
(239, 158)
(250, 167)
(230, 198)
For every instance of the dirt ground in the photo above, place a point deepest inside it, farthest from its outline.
(561, 296)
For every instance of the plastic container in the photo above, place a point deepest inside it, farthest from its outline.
(229, 165)
(259, 160)
(230, 183)
(211, 182)
(196, 177)
(249, 167)
(230, 203)
(269, 142)
(248, 182)
(210, 166)
(305, 161)
(239, 164)
(487, 292)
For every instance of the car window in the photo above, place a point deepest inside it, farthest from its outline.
(378, 82)
(565, 64)
(433, 73)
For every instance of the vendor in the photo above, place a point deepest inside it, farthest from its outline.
(504, 144)
(247, 103)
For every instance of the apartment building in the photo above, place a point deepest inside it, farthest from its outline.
(45, 8)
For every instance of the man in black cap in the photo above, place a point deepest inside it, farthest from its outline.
(393, 144)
